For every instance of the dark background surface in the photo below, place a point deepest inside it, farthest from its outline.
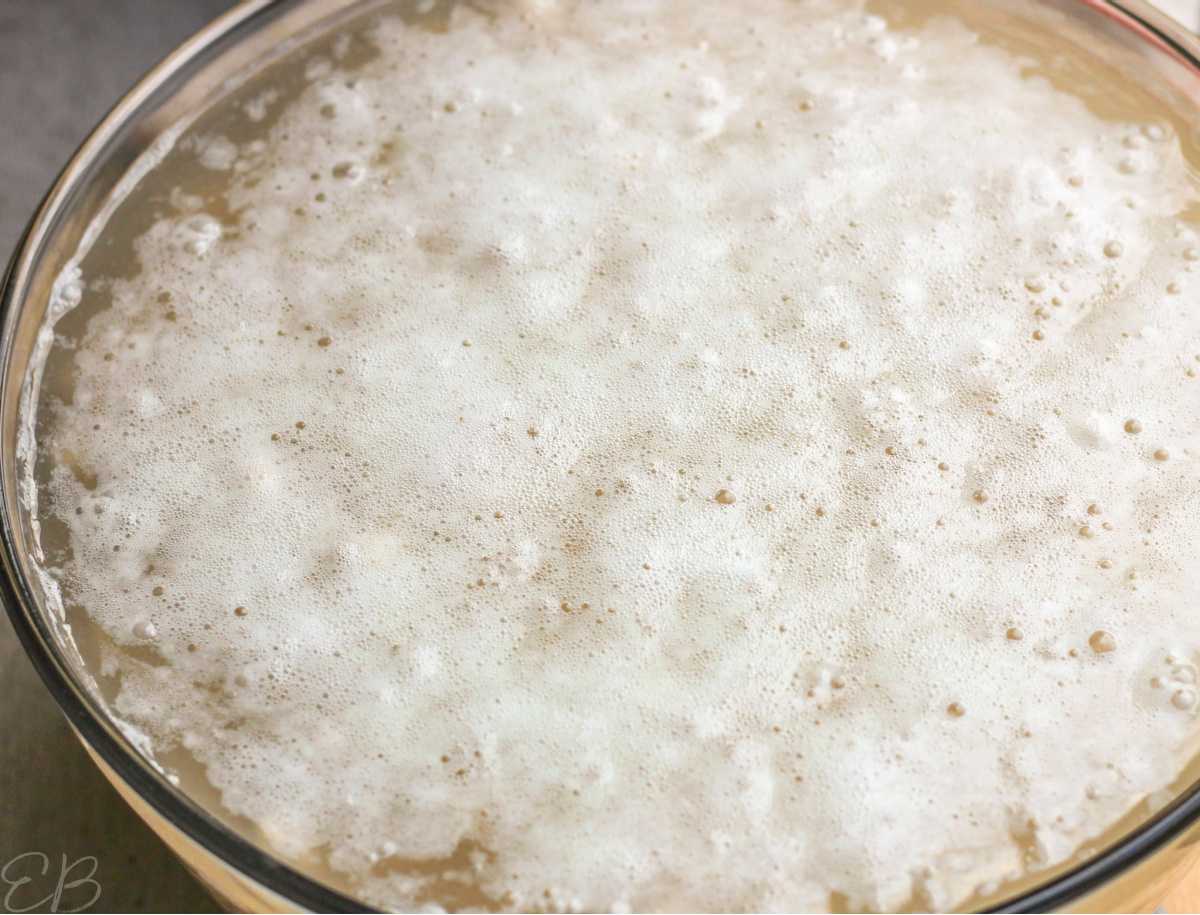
(63, 64)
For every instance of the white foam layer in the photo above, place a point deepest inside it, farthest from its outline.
(605, 461)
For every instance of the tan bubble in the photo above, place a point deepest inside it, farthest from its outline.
(1183, 698)
(725, 497)
(1114, 249)
(956, 709)
(943, 466)
(1015, 633)
(239, 611)
(1035, 284)
(144, 629)
(1102, 642)
(1095, 509)
(1039, 334)
(1132, 426)
(980, 495)
(1087, 531)
(348, 170)
(1161, 454)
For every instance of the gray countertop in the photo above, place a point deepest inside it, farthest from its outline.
(63, 63)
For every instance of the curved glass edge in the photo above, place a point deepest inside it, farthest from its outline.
(1169, 824)
(93, 724)
(32, 627)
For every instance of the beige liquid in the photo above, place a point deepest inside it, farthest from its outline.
(196, 195)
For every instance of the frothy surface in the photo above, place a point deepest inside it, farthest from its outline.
(658, 455)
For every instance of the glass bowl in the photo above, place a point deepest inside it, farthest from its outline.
(1132, 874)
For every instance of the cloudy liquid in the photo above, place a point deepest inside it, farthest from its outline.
(649, 455)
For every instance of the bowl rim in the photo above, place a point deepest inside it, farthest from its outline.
(98, 730)
(83, 712)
